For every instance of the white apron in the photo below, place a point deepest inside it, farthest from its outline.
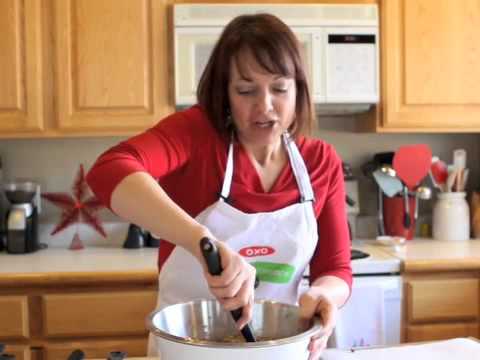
(279, 243)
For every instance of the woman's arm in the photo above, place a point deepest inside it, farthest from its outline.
(330, 269)
(141, 200)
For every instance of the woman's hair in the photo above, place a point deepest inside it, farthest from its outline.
(274, 46)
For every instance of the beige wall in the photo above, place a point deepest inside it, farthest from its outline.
(54, 162)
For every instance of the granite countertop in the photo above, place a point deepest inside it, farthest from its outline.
(79, 266)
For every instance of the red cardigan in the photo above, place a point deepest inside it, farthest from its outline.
(188, 158)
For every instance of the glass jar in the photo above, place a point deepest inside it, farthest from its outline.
(451, 217)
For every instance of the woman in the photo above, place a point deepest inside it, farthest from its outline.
(237, 168)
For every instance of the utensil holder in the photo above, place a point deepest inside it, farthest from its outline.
(393, 216)
(451, 217)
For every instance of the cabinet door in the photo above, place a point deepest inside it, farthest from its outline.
(431, 65)
(21, 352)
(96, 349)
(442, 300)
(97, 314)
(432, 332)
(14, 322)
(111, 65)
(21, 91)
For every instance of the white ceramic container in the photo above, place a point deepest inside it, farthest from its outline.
(451, 217)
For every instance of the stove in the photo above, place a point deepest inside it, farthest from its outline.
(379, 262)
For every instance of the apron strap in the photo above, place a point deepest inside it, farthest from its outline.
(227, 180)
(296, 161)
(299, 169)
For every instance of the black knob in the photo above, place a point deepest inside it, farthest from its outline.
(117, 355)
(77, 355)
(134, 238)
(7, 357)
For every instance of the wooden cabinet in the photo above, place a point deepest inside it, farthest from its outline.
(21, 67)
(441, 307)
(95, 349)
(14, 315)
(82, 67)
(22, 352)
(430, 66)
(99, 313)
(50, 319)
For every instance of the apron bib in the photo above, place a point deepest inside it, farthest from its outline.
(279, 243)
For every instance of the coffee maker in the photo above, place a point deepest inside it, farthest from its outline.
(22, 217)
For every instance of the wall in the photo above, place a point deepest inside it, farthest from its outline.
(54, 162)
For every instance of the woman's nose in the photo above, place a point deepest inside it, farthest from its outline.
(265, 102)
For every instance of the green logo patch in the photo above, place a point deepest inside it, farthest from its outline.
(274, 272)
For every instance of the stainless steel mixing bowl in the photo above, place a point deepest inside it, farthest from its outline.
(205, 323)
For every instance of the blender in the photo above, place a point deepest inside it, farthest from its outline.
(22, 217)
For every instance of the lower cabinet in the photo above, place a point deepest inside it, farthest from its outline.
(440, 307)
(96, 349)
(22, 352)
(48, 324)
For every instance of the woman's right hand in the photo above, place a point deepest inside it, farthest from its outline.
(233, 288)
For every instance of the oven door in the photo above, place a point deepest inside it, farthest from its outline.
(372, 315)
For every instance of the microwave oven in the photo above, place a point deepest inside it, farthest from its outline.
(340, 45)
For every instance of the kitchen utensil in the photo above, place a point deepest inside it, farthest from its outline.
(422, 193)
(203, 330)
(383, 158)
(406, 212)
(438, 173)
(452, 175)
(387, 169)
(381, 226)
(212, 258)
(459, 158)
(412, 163)
(466, 171)
(389, 184)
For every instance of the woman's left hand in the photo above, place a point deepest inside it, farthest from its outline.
(315, 302)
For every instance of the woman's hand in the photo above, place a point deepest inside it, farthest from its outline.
(315, 302)
(234, 287)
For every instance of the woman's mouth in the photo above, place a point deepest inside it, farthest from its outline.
(265, 124)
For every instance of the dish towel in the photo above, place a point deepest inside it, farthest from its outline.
(361, 322)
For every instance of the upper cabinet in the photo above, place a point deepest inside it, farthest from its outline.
(21, 67)
(83, 67)
(88, 67)
(430, 54)
(110, 64)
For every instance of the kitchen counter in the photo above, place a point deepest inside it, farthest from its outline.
(94, 264)
(426, 255)
(63, 265)
(460, 348)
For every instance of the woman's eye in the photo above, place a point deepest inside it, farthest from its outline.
(244, 91)
(280, 90)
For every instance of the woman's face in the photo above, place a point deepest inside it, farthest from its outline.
(262, 104)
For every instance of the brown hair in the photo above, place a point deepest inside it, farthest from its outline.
(274, 46)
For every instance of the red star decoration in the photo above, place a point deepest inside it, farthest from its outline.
(79, 208)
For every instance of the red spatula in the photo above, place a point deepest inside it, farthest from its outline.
(412, 163)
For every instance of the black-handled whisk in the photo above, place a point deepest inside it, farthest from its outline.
(212, 258)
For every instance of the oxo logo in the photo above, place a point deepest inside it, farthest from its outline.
(256, 251)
